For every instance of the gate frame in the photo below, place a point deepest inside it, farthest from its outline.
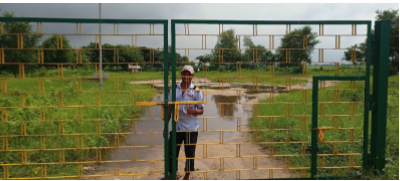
(366, 78)
(378, 103)
(165, 24)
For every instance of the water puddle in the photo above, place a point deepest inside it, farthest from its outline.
(308, 84)
(149, 125)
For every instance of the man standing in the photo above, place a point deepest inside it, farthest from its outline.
(188, 124)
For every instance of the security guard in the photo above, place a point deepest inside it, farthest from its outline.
(186, 91)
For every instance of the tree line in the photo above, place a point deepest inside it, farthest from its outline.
(293, 40)
(225, 41)
(361, 52)
(140, 55)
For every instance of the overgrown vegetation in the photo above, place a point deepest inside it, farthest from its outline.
(50, 125)
(392, 166)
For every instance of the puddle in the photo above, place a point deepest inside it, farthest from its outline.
(250, 89)
(308, 84)
(147, 126)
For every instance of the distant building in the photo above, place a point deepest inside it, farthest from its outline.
(134, 67)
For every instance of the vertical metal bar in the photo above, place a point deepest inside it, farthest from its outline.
(366, 100)
(336, 46)
(173, 64)
(380, 93)
(205, 41)
(101, 53)
(239, 42)
(314, 127)
(355, 29)
(202, 40)
(273, 41)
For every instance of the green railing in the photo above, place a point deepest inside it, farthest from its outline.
(366, 79)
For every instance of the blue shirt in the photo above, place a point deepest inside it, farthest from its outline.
(187, 122)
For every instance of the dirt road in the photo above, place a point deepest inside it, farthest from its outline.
(204, 164)
(209, 164)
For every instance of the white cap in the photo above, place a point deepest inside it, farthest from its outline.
(188, 68)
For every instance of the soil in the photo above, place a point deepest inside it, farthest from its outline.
(209, 164)
(204, 164)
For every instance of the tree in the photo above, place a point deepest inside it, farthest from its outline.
(11, 41)
(205, 58)
(226, 40)
(129, 55)
(393, 16)
(108, 56)
(295, 40)
(360, 53)
(259, 53)
(57, 56)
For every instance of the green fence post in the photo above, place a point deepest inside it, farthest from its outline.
(367, 99)
(166, 118)
(314, 131)
(380, 91)
(173, 72)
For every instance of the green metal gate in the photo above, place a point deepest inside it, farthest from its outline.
(358, 161)
(309, 137)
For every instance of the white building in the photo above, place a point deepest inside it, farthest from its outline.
(134, 67)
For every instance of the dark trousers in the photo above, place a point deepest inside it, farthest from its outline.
(185, 138)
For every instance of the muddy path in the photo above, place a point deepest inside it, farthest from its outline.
(210, 164)
(214, 96)
(204, 82)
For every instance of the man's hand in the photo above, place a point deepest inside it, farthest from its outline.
(190, 110)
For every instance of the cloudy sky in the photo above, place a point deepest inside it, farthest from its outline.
(204, 11)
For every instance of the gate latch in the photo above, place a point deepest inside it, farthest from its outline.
(321, 132)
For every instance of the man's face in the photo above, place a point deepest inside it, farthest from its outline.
(186, 77)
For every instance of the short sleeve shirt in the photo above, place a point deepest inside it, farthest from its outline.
(187, 122)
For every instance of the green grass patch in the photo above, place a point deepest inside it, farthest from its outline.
(51, 125)
(391, 170)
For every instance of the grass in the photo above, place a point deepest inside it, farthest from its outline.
(111, 126)
(53, 115)
(392, 134)
(392, 166)
(305, 135)
(280, 73)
